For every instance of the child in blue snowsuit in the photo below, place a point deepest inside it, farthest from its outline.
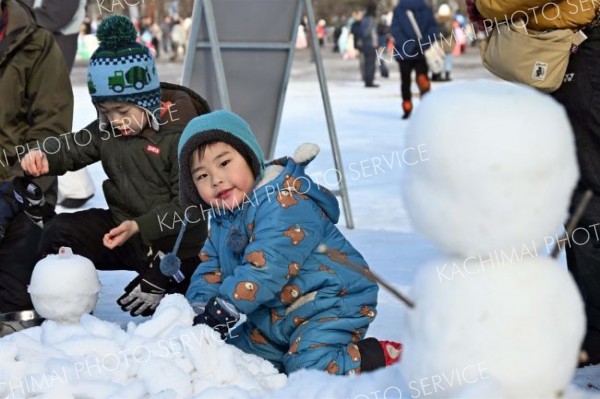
(274, 254)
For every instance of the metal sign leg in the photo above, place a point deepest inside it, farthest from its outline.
(337, 158)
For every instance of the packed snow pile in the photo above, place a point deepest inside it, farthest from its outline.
(165, 357)
(64, 286)
(497, 316)
(502, 178)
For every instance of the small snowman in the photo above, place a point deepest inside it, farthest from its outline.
(64, 286)
(496, 317)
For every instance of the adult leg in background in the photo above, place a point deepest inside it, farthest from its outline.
(17, 260)
(580, 95)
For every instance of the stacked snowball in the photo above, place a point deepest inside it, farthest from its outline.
(64, 286)
(500, 171)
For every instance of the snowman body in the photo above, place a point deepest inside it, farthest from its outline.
(496, 310)
(64, 286)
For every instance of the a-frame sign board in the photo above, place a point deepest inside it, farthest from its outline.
(239, 57)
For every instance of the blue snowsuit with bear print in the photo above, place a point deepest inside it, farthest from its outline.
(304, 307)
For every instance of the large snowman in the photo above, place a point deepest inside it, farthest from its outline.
(496, 311)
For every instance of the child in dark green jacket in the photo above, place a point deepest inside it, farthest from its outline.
(135, 138)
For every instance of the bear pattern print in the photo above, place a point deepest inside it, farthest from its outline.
(304, 307)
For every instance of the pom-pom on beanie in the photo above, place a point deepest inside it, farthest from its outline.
(123, 70)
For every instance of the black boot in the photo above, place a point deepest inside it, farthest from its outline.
(591, 347)
(436, 77)
(447, 78)
(371, 354)
(375, 354)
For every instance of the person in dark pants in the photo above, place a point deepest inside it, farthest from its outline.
(18, 256)
(383, 33)
(369, 43)
(409, 50)
(35, 82)
(406, 68)
(357, 36)
(579, 94)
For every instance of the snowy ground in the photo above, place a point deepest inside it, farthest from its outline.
(371, 137)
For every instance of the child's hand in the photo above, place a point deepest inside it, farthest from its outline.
(35, 163)
(120, 234)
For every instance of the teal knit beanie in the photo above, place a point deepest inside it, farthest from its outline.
(223, 126)
(123, 70)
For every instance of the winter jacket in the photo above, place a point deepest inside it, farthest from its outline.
(541, 14)
(356, 33)
(368, 33)
(294, 266)
(142, 170)
(407, 46)
(35, 92)
(446, 39)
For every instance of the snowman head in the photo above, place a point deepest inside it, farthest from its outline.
(64, 286)
(499, 170)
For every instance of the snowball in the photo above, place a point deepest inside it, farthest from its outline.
(520, 323)
(64, 286)
(502, 178)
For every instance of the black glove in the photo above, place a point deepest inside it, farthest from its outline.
(218, 314)
(144, 293)
(9, 206)
(31, 199)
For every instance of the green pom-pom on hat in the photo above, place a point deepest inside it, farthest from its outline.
(123, 70)
(116, 31)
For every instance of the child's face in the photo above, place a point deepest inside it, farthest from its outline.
(222, 176)
(128, 119)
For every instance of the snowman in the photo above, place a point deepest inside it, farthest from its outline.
(64, 286)
(495, 317)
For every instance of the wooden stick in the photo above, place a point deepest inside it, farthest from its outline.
(372, 277)
(583, 204)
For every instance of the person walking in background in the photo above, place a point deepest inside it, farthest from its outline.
(165, 27)
(460, 37)
(445, 21)
(409, 50)
(369, 43)
(357, 41)
(383, 36)
(177, 39)
(321, 31)
(64, 18)
(337, 32)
